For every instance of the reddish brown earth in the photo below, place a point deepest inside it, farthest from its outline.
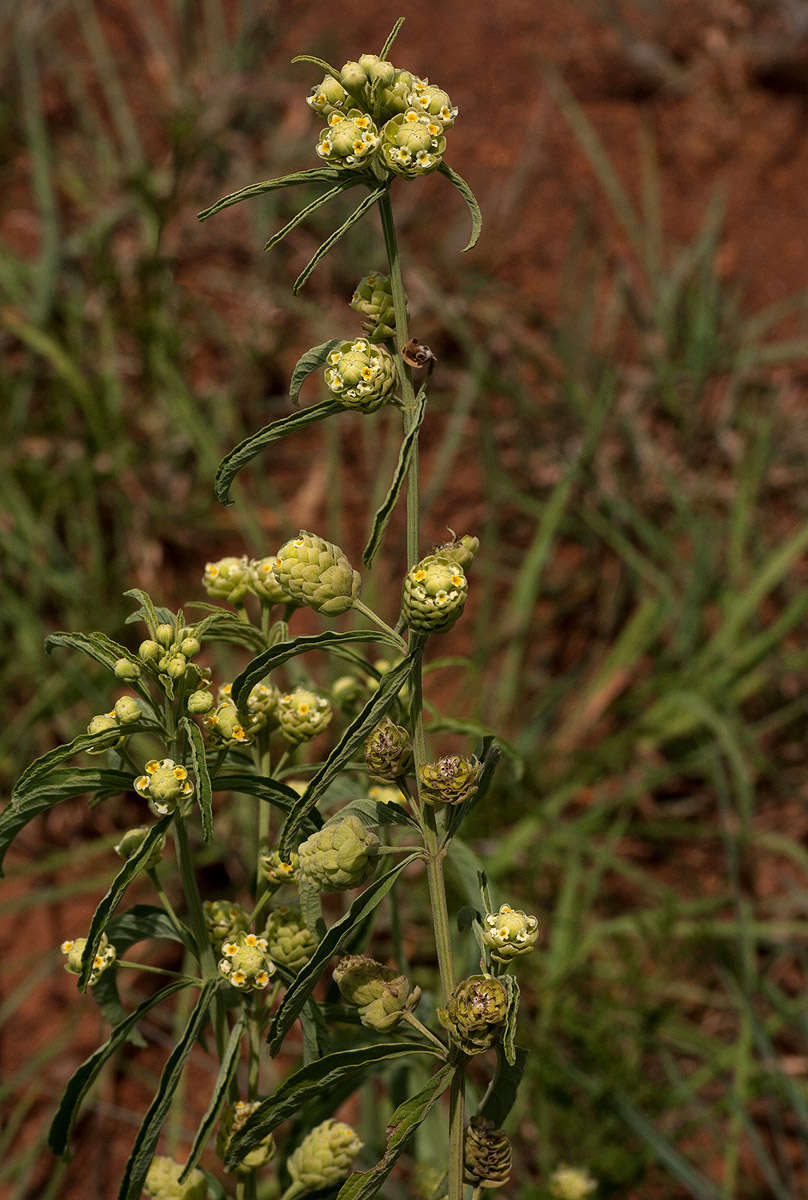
(719, 87)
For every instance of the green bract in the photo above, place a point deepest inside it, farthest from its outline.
(434, 594)
(322, 1159)
(317, 573)
(373, 297)
(339, 856)
(412, 144)
(290, 942)
(509, 932)
(388, 751)
(450, 780)
(264, 583)
(163, 1181)
(382, 995)
(233, 1118)
(228, 579)
(475, 1013)
(487, 1156)
(361, 375)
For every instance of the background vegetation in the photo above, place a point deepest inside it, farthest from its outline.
(619, 416)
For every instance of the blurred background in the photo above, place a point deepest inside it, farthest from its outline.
(618, 412)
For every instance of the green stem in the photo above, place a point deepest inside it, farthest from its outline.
(456, 1121)
(377, 620)
(206, 956)
(411, 1019)
(181, 928)
(136, 966)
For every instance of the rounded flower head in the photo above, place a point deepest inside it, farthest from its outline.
(388, 751)
(450, 780)
(324, 1158)
(381, 994)
(412, 143)
(163, 1181)
(126, 669)
(393, 99)
(487, 1157)
(277, 870)
(246, 963)
(99, 724)
(475, 1013)
(225, 724)
(317, 573)
(433, 101)
(166, 786)
(264, 583)
(127, 710)
(349, 694)
(262, 706)
(328, 97)
(302, 715)
(339, 856)
(290, 942)
(228, 579)
(200, 702)
(571, 1183)
(374, 298)
(349, 140)
(73, 951)
(434, 594)
(224, 919)
(360, 375)
(233, 1119)
(509, 933)
(133, 839)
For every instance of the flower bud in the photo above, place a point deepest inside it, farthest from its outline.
(163, 1181)
(381, 994)
(225, 723)
(246, 962)
(388, 751)
(475, 1013)
(450, 780)
(224, 919)
(149, 652)
(190, 646)
(412, 144)
(509, 933)
(377, 70)
(393, 99)
(277, 870)
(317, 573)
(164, 634)
(127, 709)
(228, 579)
(349, 140)
(290, 942)
(233, 1119)
(571, 1183)
(349, 694)
(433, 101)
(353, 77)
(102, 723)
(339, 856)
(262, 706)
(435, 592)
(324, 1158)
(133, 839)
(200, 702)
(74, 952)
(487, 1157)
(360, 375)
(302, 715)
(264, 583)
(165, 785)
(374, 298)
(175, 667)
(126, 670)
(328, 96)
(460, 550)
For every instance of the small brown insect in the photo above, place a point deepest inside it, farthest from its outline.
(418, 354)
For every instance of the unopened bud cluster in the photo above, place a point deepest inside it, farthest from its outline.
(487, 1156)
(381, 994)
(125, 711)
(316, 573)
(163, 1181)
(73, 951)
(361, 375)
(373, 296)
(339, 856)
(233, 1119)
(324, 1158)
(133, 839)
(169, 654)
(233, 578)
(224, 920)
(475, 1013)
(289, 941)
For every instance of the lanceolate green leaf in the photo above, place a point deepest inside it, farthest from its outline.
(281, 652)
(51, 790)
(221, 1087)
(318, 62)
(103, 649)
(391, 37)
(245, 451)
(500, 1099)
(222, 626)
(146, 1140)
(364, 206)
(380, 521)
(400, 1128)
(303, 985)
(148, 614)
(311, 207)
(352, 739)
(470, 199)
(41, 768)
(84, 1076)
(509, 1033)
(309, 1081)
(271, 791)
(132, 867)
(307, 363)
(313, 175)
(204, 796)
